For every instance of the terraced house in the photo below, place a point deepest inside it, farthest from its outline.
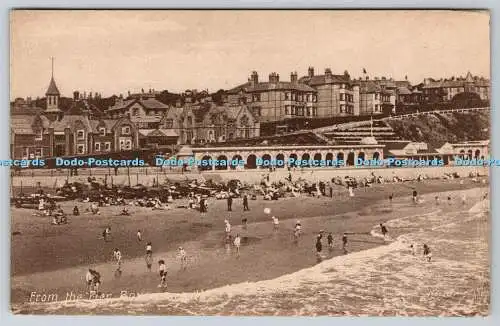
(337, 95)
(276, 100)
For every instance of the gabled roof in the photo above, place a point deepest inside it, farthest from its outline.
(52, 90)
(369, 86)
(109, 123)
(22, 124)
(68, 121)
(403, 91)
(149, 103)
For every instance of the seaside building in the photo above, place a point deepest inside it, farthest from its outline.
(445, 90)
(337, 95)
(37, 133)
(276, 100)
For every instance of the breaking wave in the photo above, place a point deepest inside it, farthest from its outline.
(385, 280)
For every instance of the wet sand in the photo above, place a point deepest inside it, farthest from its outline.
(267, 255)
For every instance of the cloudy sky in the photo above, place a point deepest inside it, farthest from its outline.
(115, 51)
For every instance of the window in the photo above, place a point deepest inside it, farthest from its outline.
(287, 95)
(287, 109)
(342, 86)
(128, 144)
(80, 134)
(315, 111)
(49, 99)
(80, 149)
(126, 130)
(256, 98)
(169, 123)
(244, 121)
(135, 111)
(342, 96)
(107, 146)
(308, 112)
(102, 131)
(39, 134)
(315, 99)
(97, 147)
(342, 108)
(38, 153)
(376, 96)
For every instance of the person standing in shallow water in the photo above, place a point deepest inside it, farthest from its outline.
(319, 247)
(427, 252)
(330, 241)
(383, 229)
(229, 203)
(344, 243)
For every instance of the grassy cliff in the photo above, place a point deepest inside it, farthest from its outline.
(438, 128)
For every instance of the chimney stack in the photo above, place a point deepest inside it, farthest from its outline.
(76, 95)
(328, 72)
(274, 78)
(293, 77)
(310, 72)
(254, 78)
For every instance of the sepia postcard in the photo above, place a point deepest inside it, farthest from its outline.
(250, 162)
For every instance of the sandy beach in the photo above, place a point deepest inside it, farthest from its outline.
(265, 254)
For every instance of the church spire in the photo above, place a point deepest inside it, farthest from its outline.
(52, 110)
(52, 90)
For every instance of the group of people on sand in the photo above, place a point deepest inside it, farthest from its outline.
(93, 278)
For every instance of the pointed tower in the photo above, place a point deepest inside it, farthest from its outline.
(52, 110)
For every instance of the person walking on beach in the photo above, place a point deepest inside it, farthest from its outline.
(390, 198)
(227, 227)
(415, 196)
(117, 255)
(93, 279)
(276, 223)
(139, 235)
(106, 234)
(319, 247)
(88, 279)
(383, 229)
(244, 222)
(237, 244)
(449, 200)
(344, 242)
(162, 268)
(229, 203)
(427, 252)
(412, 250)
(437, 200)
(183, 258)
(330, 241)
(245, 203)
(464, 199)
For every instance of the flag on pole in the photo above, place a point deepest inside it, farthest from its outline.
(371, 126)
(364, 70)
